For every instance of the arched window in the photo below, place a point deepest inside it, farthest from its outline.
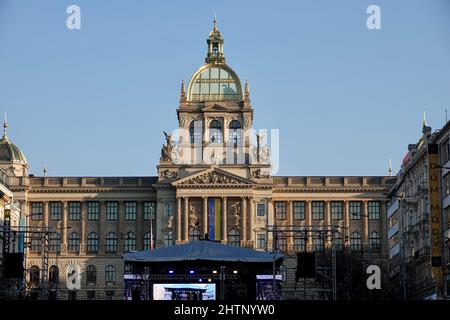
(318, 243)
(168, 239)
(53, 275)
(35, 242)
(34, 275)
(234, 238)
(194, 235)
(355, 241)
(215, 131)
(299, 243)
(110, 274)
(74, 242)
(338, 241)
(91, 274)
(235, 132)
(195, 131)
(55, 242)
(148, 241)
(130, 242)
(111, 242)
(374, 241)
(92, 242)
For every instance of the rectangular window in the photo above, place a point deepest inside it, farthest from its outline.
(446, 184)
(261, 209)
(93, 210)
(74, 211)
(299, 210)
(374, 208)
(130, 210)
(355, 210)
(149, 210)
(336, 210)
(112, 210)
(55, 210)
(280, 210)
(318, 210)
(444, 151)
(36, 210)
(282, 244)
(299, 244)
(261, 241)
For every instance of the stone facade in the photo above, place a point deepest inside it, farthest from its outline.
(217, 160)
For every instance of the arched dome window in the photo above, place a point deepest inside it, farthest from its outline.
(215, 83)
(235, 132)
(215, 131)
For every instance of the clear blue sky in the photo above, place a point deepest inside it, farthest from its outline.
(346, 99)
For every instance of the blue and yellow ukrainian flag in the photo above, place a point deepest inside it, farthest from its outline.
(214, 215)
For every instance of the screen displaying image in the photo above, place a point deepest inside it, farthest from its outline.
(184, 291)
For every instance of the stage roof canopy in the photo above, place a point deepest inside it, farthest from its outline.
(201, 250)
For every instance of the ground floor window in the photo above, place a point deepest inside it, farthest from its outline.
(91, 295)
(72, 295)
(109, 294)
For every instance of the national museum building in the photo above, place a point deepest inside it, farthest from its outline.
(214, 182)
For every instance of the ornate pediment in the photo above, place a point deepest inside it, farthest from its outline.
(214, 107)
(213, 178)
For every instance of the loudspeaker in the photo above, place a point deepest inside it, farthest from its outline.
(306, 265)
(13, 263)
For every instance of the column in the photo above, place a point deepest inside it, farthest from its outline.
(186, 219)
(120, 227)
(83, 205)
(224, 219)
(64, 231)
(244, 218)
(290, 240)
(270, 223)
(205, 215)
(179, 219)
(45, 213)
(101, 220)
(346, 233)
(383, 226)
(252, 221)
(308, 214)
(328, 221)
(140, 225)
(365, 224)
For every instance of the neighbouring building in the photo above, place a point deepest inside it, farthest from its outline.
(418, 218)
(214, 180)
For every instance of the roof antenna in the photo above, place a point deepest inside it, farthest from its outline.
(45, 169)
(390, 168)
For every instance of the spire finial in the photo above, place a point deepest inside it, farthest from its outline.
(424, 122)
(390, 168)
(5, 126)
(215, 22)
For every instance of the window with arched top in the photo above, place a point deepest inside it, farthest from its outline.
(35, 242)
(168, 239)
(53, 275)
(194, 235)
(91, 274)
(110, 274)
(234, 238)
(215, 131)
(74, 242)
(235, 132)
(92, 242)
(34, 275)
(130, 242)
(355, 241)
(111, 242)
(55, 242)
(374, 241)
(338, 241)
(195, 131)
